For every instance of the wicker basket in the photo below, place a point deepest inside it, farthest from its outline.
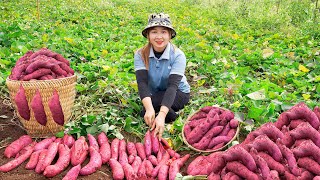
(66, 90)
(207, 151)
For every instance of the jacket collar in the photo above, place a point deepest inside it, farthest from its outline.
(165, 55)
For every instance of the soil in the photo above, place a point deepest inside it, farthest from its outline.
(11, 129)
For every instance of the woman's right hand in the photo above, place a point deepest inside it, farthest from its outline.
(149, 117)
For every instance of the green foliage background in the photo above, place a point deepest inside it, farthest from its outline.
(268, 49)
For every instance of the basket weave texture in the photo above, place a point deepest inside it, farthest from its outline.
(67, 92)
(207, 151)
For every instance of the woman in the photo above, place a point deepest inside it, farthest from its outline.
(160, 67)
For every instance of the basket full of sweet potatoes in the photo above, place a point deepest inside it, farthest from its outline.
(42, 90)
(210, 129)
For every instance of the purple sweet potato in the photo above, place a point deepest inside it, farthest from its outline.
(149, 168)
(66, 68)
(270, 130)
(237, 153)
(115, 148)
(307, 148)
(123, 156)
(301, 111)
(142, 170)
(176, 165)
(26, 153)
(41, 61)
(263, 143)
(153, 160)
(309, 164)
(241, 170)
(37, 74)
(102, 138)
(295, 123)
(282, 121)
(22, 104)
(198, 115)
(41, 158)
(206, 109)
(56, 109)
(38, 109)
(93, 142)
(141, 150)
(44, 144)
(68, 140)
(291, 160)
(163, 172)
(129, 172)
(117, 170)
(131, 148)
(199, 131)
(154, 142)
(17, 146)
(205, 140)
(79, 151)
(105, 149)
(196, 167)
(147, 143)
(60, 58)
(61, 164)
(163, 162)
(273, 164)
(51, 154)
(33, 160)
(136, 164)
(217, 140)
(261, 163)
(234, 123)
(316, 110)
(73, 173)
(94, 164)
(306, 131)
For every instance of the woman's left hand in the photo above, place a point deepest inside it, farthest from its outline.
(158, 124)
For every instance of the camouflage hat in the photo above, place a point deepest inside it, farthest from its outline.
(160, 19)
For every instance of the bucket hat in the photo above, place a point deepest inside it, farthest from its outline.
(159, 19)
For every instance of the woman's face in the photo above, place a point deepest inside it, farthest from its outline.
(159, 37)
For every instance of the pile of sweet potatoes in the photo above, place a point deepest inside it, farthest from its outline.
(210, 128)
(152, 159)
(41, 65)
(286, 149)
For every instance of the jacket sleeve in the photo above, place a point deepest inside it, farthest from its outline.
(142, 81)
(170, 94)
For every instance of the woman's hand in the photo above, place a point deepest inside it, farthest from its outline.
(149, 117)
(159, 124)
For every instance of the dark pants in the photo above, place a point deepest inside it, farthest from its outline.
(180, 101)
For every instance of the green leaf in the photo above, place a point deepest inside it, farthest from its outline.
(258, 95)
(127, 126)
(92, 130)
(59, 134)
(105, 128)
(255, 112)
